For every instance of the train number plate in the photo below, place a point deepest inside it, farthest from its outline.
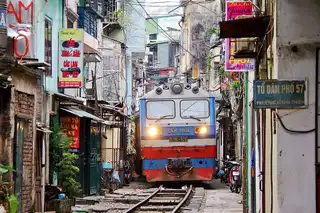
(178, 139)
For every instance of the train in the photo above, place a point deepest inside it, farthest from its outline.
(178, 133)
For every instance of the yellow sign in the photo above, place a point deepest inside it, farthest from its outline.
(71, 58)
(195, 72)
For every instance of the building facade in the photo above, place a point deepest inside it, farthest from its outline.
(284, 141)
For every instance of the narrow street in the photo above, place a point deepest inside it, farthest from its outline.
(207, 198)
(219, 199)
(127, 106)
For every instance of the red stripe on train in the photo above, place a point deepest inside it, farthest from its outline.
(194, 175)
(179, 152)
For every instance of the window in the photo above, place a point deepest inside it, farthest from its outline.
(160, 109)
(153, 36)
(90, 24)
(194, 108)
(87, 21)
(48, 46)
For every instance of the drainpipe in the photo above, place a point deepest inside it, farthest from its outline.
(257, 161)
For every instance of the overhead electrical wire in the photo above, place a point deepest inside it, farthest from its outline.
(167, 35)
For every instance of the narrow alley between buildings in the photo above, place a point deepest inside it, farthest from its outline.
(159, 106)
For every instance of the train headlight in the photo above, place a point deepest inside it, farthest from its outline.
(176, 88)
(153, 131)
(201, 130)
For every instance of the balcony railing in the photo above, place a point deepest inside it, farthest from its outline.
(94, 6)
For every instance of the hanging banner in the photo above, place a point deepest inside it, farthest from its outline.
(70, 58)
(233, 10)
(70, 126)
(20, 15)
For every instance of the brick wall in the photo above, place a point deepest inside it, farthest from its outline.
(24, 107)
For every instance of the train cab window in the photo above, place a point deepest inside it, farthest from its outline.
(160, 110)
(194, 108)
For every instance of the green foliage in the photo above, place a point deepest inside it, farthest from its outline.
(123, 20)
(213, 31)
(121, 17)
(235, 84)
(4, 189)
(4, 169)
(67, 174)
(13, 203)
(63, 161)
(58, 145)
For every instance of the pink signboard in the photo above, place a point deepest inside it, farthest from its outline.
(233, 10)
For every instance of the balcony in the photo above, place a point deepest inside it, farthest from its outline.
(113, 15)
(95, 7)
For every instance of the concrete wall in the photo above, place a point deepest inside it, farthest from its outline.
(43, 10)
(297, 24)
(198, 19)
(110, 72)
(164, 22)
(134, 41)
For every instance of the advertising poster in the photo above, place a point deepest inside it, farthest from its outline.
(71, 58)
(71, 127)
(233, 10)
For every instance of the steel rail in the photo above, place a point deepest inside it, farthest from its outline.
(183, 200)
(144, 201)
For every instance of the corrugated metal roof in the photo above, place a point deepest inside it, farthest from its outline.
(80, 113)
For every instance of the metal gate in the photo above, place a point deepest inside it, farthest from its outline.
(94, 151)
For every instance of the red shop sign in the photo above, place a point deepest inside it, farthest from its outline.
(71, 127)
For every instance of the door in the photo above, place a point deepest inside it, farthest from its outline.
(38, 163)
(94, 161)
(18, 160)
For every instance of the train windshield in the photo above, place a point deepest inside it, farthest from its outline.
(194, 109)
(160, 110)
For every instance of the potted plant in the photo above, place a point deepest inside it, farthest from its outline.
(64, 166)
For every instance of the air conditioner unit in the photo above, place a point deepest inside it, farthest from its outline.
(245, 45)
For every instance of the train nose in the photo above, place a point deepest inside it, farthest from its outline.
(179, 163)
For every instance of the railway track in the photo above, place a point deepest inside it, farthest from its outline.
(163, 200)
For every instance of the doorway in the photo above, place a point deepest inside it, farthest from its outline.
(18, 159)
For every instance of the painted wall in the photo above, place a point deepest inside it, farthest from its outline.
(195, 37)
(42, 10)
(296, 25)
(164, 22)
(110, 72)
(135, 42)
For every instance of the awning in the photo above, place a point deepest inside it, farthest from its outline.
(80, 113)
(114, 109)
(44, 130)
(244, 28)
(68, 97)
